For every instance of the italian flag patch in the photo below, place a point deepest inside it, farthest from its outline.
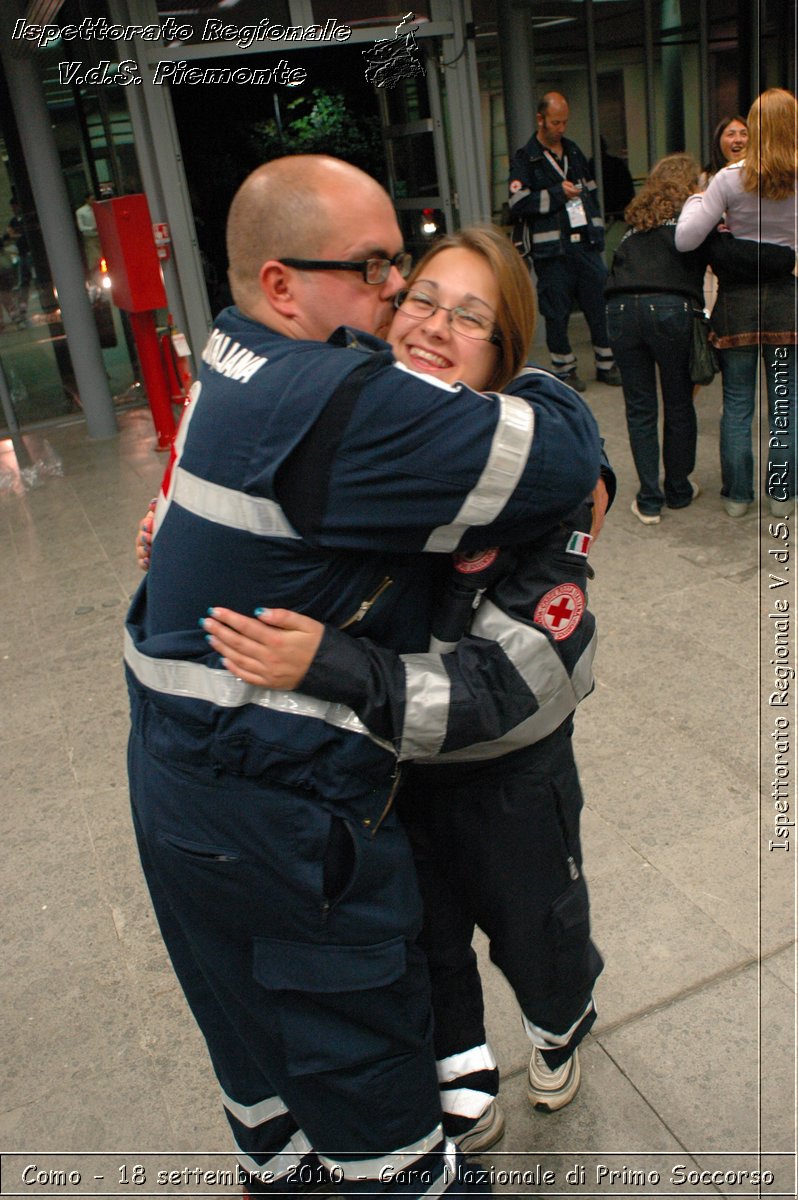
(579, 543)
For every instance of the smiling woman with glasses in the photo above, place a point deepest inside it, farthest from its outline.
(494, 310)
(373, 270)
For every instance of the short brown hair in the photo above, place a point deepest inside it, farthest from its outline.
(516, 313)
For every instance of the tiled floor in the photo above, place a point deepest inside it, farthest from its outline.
(692, 1060)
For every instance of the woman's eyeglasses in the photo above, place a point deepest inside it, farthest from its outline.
(468, 322)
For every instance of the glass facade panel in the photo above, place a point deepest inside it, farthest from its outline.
(94, 141)
(367, 12)
(645, 108)
(214, 26)
(414, 168)
(408, 102)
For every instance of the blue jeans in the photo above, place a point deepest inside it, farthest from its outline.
(739, 367)
(648, 331)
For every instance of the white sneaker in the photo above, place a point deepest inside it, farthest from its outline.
(646, 518)
(549, 1090)
(484, 1133)
(735, 508)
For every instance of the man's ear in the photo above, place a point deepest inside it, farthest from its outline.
(276, 285)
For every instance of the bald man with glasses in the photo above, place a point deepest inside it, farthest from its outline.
(313, 472)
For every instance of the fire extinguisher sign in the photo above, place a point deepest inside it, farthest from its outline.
(160, 232)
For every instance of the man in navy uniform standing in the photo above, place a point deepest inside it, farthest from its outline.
(558, 224)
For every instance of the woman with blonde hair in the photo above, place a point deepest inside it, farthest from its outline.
(758, 196)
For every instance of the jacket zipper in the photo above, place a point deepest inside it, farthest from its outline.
(397, 779)
(366, 605)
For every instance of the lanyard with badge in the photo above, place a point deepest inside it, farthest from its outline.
(577, 217)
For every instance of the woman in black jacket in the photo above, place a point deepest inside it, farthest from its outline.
(651, 293)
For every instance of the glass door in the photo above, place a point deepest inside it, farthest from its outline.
(415, 155)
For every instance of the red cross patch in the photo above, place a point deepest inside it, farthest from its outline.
(516, 185)
(560, 610)
(467, 564)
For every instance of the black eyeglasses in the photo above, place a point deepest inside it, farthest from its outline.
(373, 270)
(468, 322)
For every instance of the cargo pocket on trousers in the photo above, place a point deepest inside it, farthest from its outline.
(337, 1006)
(570, 932)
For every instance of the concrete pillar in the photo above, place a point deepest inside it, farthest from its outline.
(58, 226)
(161, 160)
(518, 74)
(672, 85)
(592, 84)
(471, 172)
(648, 55)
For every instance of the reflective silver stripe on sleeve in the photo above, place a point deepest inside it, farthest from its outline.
(591, 185)
(554, 236)
(597, 221)
(398, 1160)
(176, 677)
(509, 451)
(225, 506)
(516, 196)
(427, 694)
(542, 669)
(252, 1115)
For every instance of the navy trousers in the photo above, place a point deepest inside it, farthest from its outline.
(577, 276)
(293, 933)
(497, 846)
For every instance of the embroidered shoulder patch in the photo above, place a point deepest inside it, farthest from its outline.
(468, 564)
(579, 543)
(560, 610)
(516, 185)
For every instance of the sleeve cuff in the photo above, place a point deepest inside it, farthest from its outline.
(339, 671)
